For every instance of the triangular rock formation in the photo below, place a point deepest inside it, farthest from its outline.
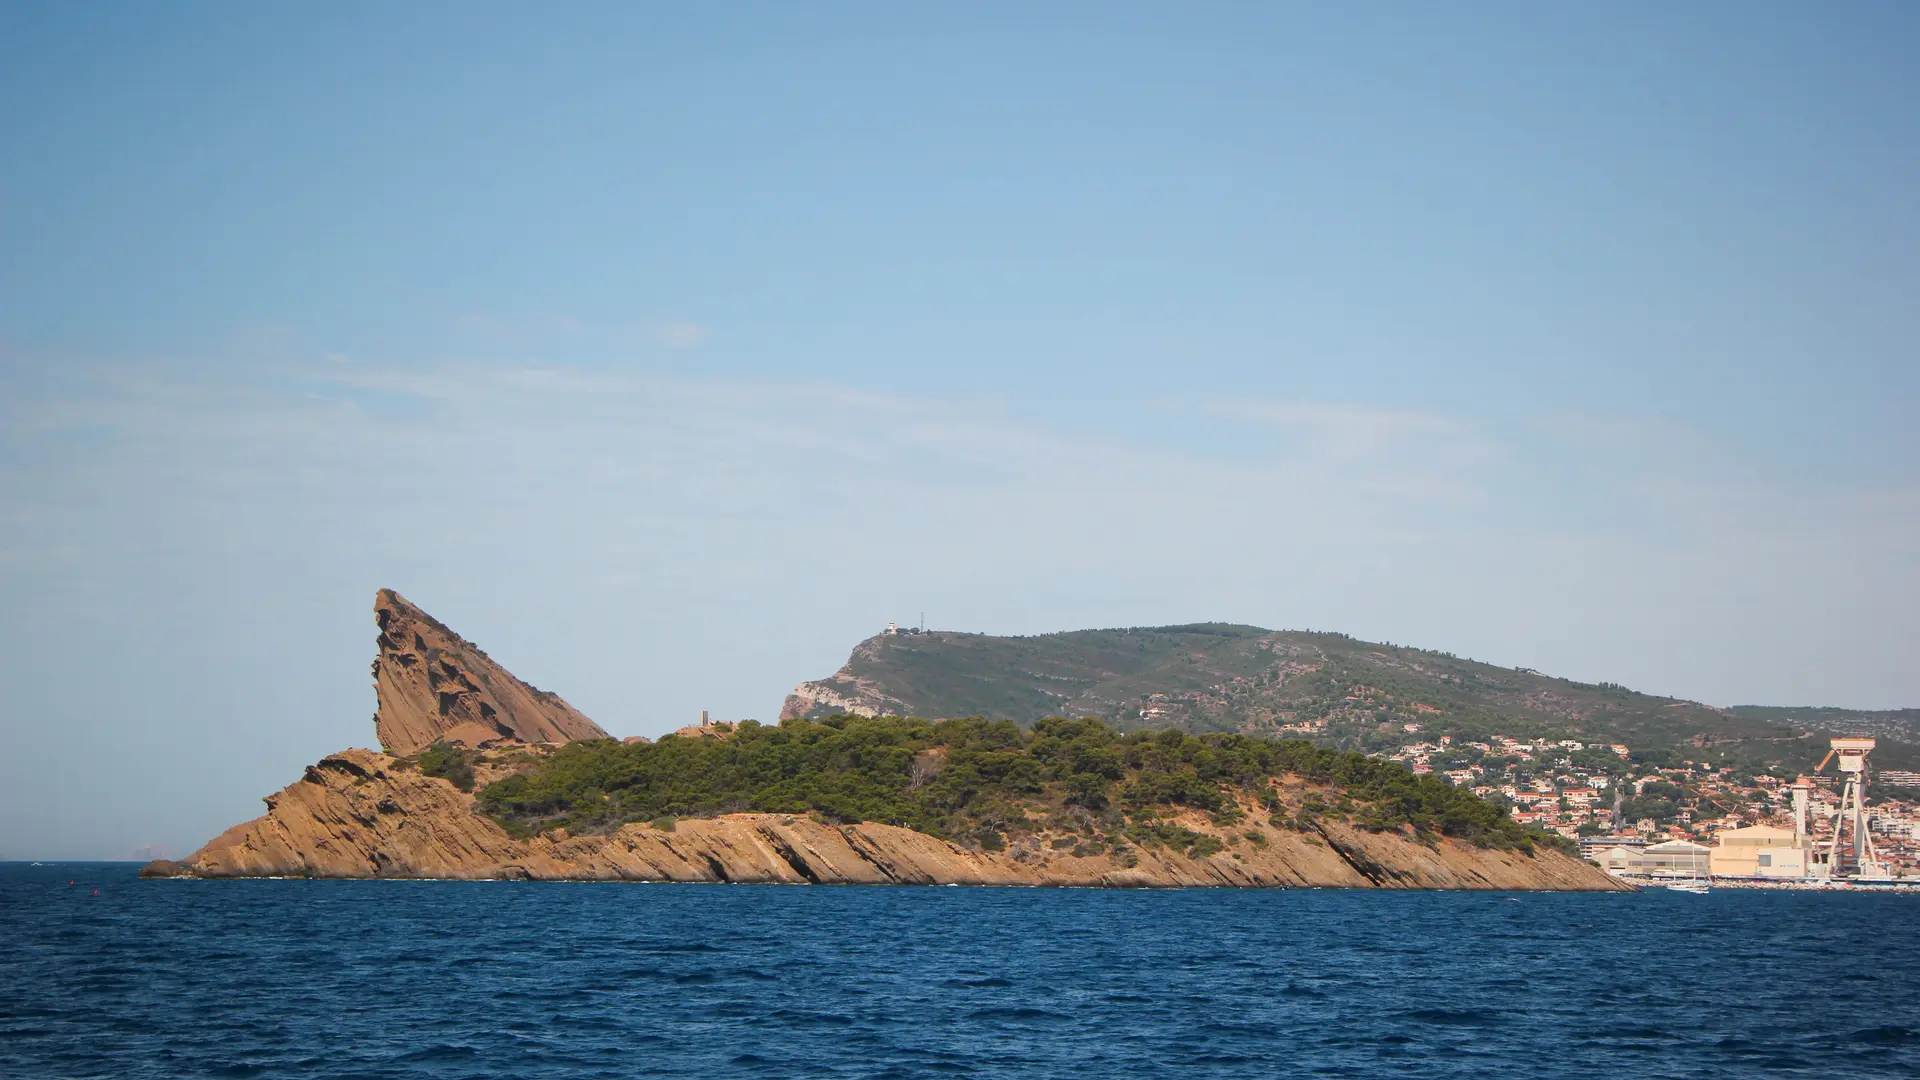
(434, 684)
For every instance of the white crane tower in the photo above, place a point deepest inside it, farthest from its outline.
(1851, 814)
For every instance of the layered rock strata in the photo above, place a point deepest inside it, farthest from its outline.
(434, 684)
(364, 814)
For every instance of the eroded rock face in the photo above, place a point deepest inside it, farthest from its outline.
(434, 684)
(364, 814)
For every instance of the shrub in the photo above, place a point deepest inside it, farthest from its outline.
(1088, 789)
(450, 763)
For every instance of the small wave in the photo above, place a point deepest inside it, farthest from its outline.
(1887, 1036)
(810, 1019)
(1018, 1015)
(953, 1067)
(1455, 1017)
(1237, 1031)
(976, 984)
(441, 1052)
(1632, 1033)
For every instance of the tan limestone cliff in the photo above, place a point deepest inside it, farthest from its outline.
(434, 684)
(364, 814)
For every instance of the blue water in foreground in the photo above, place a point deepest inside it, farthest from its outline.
(444, 979)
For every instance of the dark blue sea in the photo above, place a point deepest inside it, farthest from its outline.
(442, 979)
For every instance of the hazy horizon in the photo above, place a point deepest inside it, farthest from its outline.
(666, 353)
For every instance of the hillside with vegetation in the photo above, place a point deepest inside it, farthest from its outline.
(1897, 725)
(1331, 689)
(985, 783)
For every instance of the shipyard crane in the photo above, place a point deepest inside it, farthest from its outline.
(1851, 813)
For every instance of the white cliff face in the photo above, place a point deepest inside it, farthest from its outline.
(844, 691)
(826, 696)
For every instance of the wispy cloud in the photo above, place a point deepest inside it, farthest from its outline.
(675, 334)
(1359, 432)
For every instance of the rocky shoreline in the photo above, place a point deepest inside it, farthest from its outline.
(366, 814)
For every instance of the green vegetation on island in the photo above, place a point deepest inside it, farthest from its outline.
(450, 763)
(979, 781)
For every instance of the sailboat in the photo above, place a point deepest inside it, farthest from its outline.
(1697, 885)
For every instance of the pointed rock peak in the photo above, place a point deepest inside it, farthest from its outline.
(434, 684)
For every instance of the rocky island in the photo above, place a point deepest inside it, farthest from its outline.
(482, 776)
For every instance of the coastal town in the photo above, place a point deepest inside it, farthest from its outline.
(1688, 819)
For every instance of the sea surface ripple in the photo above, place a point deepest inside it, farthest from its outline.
(382, 979)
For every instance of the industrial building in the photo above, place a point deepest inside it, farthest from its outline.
(1760, 851)
(1672, 859)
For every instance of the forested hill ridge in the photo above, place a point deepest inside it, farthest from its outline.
(1335, 690)
(1899, 725)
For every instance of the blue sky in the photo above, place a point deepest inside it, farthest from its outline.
(668, 351)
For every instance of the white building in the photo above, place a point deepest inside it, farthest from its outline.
(1674, 858)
